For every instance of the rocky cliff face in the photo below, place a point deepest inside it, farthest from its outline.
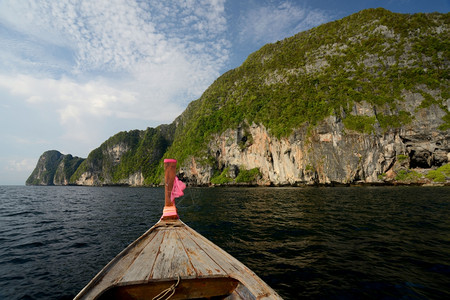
(54, 168)
(102, 174)
(364, 99)
(127, 158)
(329, 154)
(375, 108)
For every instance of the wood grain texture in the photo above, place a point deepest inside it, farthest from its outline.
(169, 250)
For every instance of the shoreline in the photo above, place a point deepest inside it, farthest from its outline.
(271, 185)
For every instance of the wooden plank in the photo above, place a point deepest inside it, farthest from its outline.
(170, 249)
(181, 264)
(244, 293)
(232, 266)
(142, 265)
(201, 262)
(162, 268)
(114, 270)
(213, 252)
(211, 288)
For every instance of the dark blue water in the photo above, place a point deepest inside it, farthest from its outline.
(314, 243)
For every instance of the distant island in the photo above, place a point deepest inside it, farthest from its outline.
(361, 100)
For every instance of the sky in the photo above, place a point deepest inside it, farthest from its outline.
(75, 72)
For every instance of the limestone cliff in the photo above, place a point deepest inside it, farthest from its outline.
(127, 158)
(54, 168)
(329, 154)
(365, 99)
(359, 100)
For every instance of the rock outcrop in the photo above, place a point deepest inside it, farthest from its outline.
(54, 168)
(362, 100)
(329, 154)
(127, 158)
(367, 107)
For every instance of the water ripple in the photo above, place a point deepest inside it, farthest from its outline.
(307, 243)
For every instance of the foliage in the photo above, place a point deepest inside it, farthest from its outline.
(222, 178)
(66, 167)
(407, 175)
(440, 174)
(45, 169)
(382, 176)
(394, 121)
(53, 168)
(360, 123)
(310, 168)
(324, 71)
(402, 157)
(446, 124)
(372, 57)
(244, 176)
(142, 152)
(436, 176)
(246, 140)
(248, 176)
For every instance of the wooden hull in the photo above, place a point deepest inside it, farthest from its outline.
(170, 253)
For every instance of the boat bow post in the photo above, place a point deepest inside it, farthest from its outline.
(171, 260)
(170, 210)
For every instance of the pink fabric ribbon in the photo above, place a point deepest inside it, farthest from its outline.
(177, 189)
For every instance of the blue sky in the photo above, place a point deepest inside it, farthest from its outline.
(74, 73)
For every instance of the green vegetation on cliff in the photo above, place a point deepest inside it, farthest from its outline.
(45, 169)
(54, 168)
(128, 153)
(244, 176)
(374, 56)
(66, 168)
(363, 70)
(440, 174)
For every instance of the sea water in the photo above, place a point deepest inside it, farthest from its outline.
(307, 243)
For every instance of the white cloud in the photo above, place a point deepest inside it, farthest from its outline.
(121, 36)
(267, 24)
(83, 110)
(111, 59)
(23, 165)
(96, 97)
(117, 35)
(27, 141)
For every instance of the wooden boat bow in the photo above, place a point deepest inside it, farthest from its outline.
(172, 257)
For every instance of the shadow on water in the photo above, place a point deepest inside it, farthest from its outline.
(307, 243)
